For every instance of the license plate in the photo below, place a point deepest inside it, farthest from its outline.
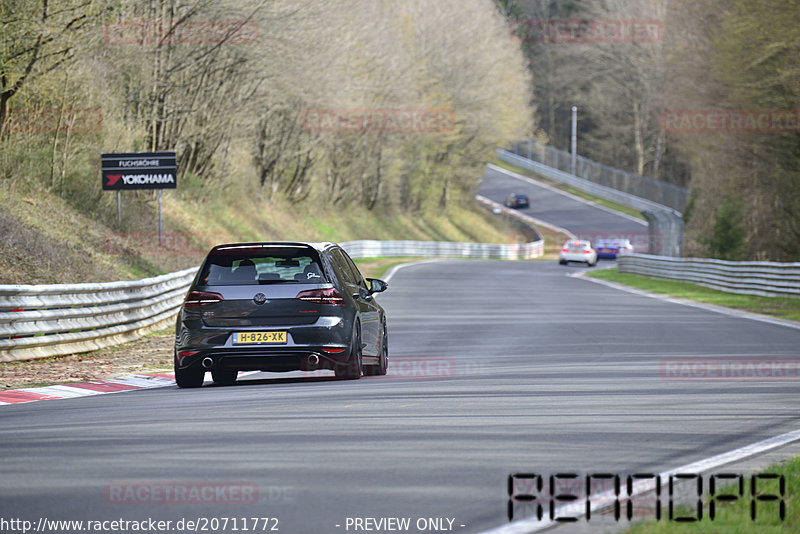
(605, 250)
(259, 338)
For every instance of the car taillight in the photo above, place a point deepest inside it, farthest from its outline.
(587, 251)
(195, 299)
(322, 296)
(564, 250)
(184, 354)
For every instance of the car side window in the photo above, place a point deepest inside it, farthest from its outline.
(340, 267)
(356, 273)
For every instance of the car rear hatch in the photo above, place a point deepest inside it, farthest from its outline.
(262, 287)
(264, 306)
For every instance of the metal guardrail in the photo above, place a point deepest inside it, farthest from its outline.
(51, 320)
(665, 225)
(750, 278)
(641, 186)
(601, 191)
(444, 249)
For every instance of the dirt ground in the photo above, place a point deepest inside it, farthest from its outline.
(148, 354)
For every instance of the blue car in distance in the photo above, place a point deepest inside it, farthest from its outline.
(613, 248)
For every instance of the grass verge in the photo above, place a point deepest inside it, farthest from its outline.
(577, 192)
(783, 307)
(736, 517)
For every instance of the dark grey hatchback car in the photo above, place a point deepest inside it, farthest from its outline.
(279, 306)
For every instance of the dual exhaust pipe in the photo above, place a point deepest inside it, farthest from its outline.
(312, 362)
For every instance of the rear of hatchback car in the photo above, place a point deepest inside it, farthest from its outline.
(265, 307)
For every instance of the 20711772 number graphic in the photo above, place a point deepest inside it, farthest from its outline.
(236, 524)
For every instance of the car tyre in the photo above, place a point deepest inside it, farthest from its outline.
(223, 376)
(190, 377)
(353, 369)
(562, 262)
(383, 360)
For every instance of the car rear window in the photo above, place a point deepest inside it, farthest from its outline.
(258, 268)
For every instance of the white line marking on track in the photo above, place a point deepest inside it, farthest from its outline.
(388, 276)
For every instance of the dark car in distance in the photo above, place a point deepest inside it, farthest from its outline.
(517, 200)
(279, 306)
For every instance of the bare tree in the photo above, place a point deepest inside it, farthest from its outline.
(37, 39)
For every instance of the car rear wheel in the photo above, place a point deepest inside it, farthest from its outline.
(191, 377)
(224, 376)
(383, 360)
(353, 369)
(562, 262)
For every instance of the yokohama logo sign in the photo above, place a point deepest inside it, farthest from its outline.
(141, 179)
(147, 170)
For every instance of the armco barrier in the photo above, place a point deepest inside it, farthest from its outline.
(51, 320)
(443, 249)
(750, 278)
(640, 186)
(560, 176)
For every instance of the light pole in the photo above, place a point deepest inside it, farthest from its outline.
(574, 143)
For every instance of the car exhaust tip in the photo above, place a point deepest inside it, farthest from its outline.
(208, 363)
(313, 361)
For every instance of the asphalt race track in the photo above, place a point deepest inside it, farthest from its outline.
(496, 368)
(581, 218)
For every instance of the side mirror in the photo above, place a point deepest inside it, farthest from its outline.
(362, 294)
(377, 286)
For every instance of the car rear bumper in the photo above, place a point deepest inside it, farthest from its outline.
(265, 360)
(321, 345)
(582, 258)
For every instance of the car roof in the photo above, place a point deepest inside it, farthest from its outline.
(319, 246)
